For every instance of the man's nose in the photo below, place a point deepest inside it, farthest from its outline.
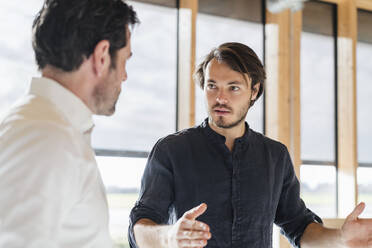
(221, 97)
(125, 76)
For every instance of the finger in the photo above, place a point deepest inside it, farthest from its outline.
(194, 213)
(194, 225)
(188, 234)
(192, 243)
(356, 212)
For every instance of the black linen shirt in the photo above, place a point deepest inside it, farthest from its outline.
(246, 190)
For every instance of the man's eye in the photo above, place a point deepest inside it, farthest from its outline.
(234, 88)
(211, 86)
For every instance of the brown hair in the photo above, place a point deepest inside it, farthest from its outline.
(238, 57)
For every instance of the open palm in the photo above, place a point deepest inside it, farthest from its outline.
(357, 233)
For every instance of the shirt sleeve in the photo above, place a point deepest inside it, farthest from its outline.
(157, 190)
(37, 184)
(292, 216)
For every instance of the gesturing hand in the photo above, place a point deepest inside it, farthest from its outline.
(188, 232)
(355, 232)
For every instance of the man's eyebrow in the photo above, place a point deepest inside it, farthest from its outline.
(211, 81)
(235, 82)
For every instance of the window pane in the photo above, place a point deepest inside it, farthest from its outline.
(365, 190)
(317, 90)
(146, 109)
(364, 86)
(227, 21)
(121, 177)
(17, 64)
(318, 189)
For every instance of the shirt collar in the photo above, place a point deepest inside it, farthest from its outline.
(71, 106)
(216, 137)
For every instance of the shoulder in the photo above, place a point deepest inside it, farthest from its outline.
(182, 137)
(33, 133)
(268, 146)
(33, 108)
(268, 142)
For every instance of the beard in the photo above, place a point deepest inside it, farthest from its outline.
(106, 96)
(221, 121)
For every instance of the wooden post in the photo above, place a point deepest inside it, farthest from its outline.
(186, 63)
(283, 35)
(346, 103)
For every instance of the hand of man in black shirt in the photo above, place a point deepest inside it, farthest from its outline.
(357, 232)
(188, 232)
(354, 233)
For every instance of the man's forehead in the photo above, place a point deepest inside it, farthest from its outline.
(221, 70)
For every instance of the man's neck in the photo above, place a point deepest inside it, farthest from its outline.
(75, 82)
(229, 133)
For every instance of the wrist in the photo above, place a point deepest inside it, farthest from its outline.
(341, 239)
(165, 236)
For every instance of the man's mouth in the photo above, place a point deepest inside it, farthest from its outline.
(221, 111)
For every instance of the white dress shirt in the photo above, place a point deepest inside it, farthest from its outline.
(51, 192)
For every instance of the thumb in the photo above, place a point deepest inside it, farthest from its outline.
(356, 212)
(195, 212)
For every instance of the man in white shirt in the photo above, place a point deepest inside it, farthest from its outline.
(51, 192)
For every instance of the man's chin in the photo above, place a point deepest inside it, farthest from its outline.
(222, 122)
(106, 112)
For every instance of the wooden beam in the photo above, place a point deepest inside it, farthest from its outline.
(283, 32)
(278, 76)
(186, 63)
(346, 104)
(364, 4)
(331, 1)
(296, 91)
(283, 35)
(360, 4)
(333, 223)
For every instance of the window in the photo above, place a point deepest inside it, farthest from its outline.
(122, 177)
(364, 106)
(364, 87)
(227, 21)
(318, 189)
(17, 64)
(318, 122)
(146, 109)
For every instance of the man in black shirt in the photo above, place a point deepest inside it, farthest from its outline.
(246, 179)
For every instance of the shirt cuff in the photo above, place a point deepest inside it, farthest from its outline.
(310, 218)
(140, 211)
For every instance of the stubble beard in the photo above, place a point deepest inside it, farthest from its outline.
(106, 97)
(222, 123)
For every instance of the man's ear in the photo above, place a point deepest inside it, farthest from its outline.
(255, 89)
(101, 57)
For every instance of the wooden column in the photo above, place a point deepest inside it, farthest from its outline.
(346, 103)
(186, 63)
(283, 34)
(364, 4)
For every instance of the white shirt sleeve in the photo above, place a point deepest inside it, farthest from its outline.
(39, 177)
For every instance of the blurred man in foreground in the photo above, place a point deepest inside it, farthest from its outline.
(51, 192)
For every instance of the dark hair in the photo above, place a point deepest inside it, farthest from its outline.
(65, 32)
(238, 57)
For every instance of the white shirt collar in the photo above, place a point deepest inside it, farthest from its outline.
(71, 106)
